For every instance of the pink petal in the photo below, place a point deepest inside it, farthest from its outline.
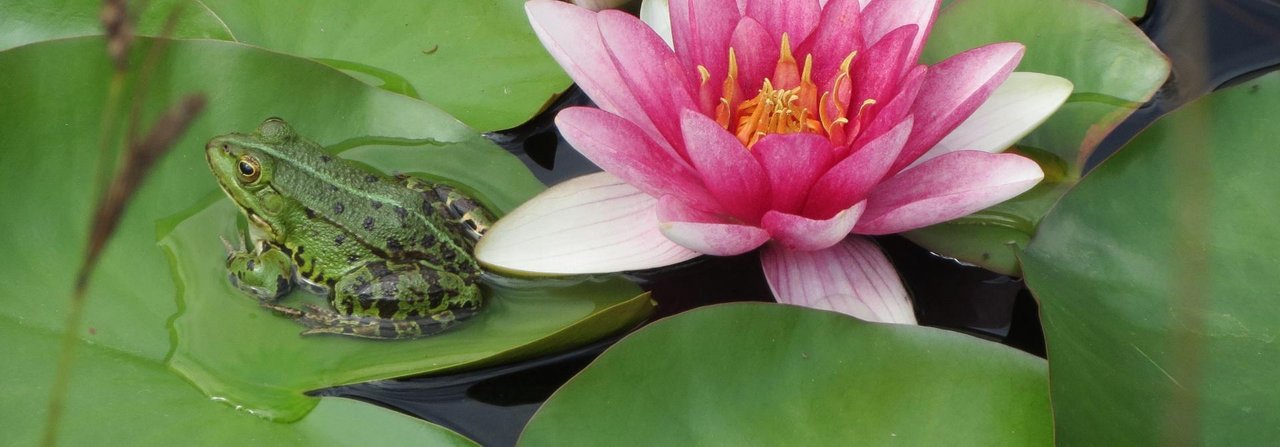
(852, 277)
(849, 181)
(622, 149)
(591, 224)
(728, 170)
(792, 163)
(837, 36)
(805, 234)
(889, 115)
(705, 233)
(882, 16)
(650, 70)
(944, 188)
(700, 30)
(796, 18)
(953, 89)
(877, 71)
(674, 209)
(1017, 107)
(755, 61)
(572, 37)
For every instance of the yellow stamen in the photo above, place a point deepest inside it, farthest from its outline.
(724, 111)
(789, 101)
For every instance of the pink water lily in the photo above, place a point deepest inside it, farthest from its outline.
(794, 125)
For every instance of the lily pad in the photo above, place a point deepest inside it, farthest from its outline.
(476, 59)
(769, 374)
(143, 315)
(1115, 69)
(1156, 278)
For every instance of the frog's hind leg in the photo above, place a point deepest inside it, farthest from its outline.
(466, 210)
(392, 300)
(319, 320)
(447, 200)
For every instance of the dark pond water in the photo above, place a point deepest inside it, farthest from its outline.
(1211, 43)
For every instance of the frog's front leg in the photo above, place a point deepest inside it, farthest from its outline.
(392, 301)
(265, 274)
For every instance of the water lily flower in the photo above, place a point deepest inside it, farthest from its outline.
(796, 125)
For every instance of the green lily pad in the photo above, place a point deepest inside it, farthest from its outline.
(476, 59)
(161, 309)
(1156, 277)
(769, 374)
(119, 398)
(1115, 69)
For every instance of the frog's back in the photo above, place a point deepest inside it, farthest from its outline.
(381, 211)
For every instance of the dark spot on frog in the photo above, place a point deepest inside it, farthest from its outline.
(326, 158)
(379, 269)
(377, 205)
(333, 188)
(311, 214)
(400, 211)
(368, 223)
(450, 255)
(371, 178)
(351, 259)
(282, 284)
(429, 240)
(338, 208)
(394, 245)
(339, 239)
(250, 265)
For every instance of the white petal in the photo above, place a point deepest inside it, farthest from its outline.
(591, 224)
(1017, 107)
(657, 15)
(852, 277)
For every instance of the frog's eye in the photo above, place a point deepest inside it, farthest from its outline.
(249, 169)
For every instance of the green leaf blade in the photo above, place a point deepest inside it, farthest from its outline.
(1155, 278)
(764, 374)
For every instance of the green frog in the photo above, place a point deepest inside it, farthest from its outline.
(392, 254)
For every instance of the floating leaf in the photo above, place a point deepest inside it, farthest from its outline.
(476, 59)
(1156, 277)
(768, 374)
(158, 325)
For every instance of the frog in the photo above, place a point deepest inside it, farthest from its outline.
(392, 253)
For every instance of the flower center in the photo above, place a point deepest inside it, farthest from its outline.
(789, 102)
